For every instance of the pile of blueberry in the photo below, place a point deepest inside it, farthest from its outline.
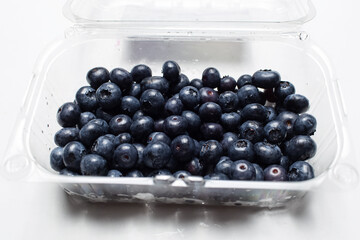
(137, 125)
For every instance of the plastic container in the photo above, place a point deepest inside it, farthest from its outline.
(238, 37)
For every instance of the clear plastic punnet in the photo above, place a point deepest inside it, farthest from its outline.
(236, 37)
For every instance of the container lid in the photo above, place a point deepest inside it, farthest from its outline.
(189, 12)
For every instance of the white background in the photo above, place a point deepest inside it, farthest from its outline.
(43, 211)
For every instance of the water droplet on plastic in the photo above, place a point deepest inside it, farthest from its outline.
(346, 175)
(303, 36)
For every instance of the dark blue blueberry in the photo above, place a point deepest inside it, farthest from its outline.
(86, 98)
(103, 146)
(275, 173)
(142, 127)
(183, 148)
(97, 76)
(175, 87)
(259, 172)
(283, 90)
(155, 82)
(120, 123)
(211, 131)
(216, 176)
(243, 80)
(157, 155)
(275, 131)
(122, 138)
(125, 156)
(108, 95)
(92, 130)
(266, 79)
(190, 96)
(300, 171)
(262, 97)
(267, 154)
(122, 78)
(93, 165)
(195, 167)
(140, 150)
(228, 139)
(227, 83)
(197, 147)
(56, 159)
(66, 135)
(114, 173)
(228, 101)
(211, 151)
(210, 112)
(152, 102)
(139, 72)
(85, 117)
(193, 120)
(300, 148)
(296, 103)
(159, 125)
(68, 114)
(248, 94)
(270, 95)
(138, 114)
(305, 124)
(241, 149)
(157, 172)
(270, 113)
(254, 111)
(134, 173)
(173, 165)
(252, 131)
(285, 162)
(110, 136)
(288, 118)
(224, 166)
(279, 107)
(197, 83)
(171, 71)
(69, 173)
(230, 121)
(158, 136)
(104, 114)
(181, 174)
(175, 125)
(129, 105)
(72, 155)
(243, 170)
(135, 90)
(211, 77)
(173, 106)
(208, 95)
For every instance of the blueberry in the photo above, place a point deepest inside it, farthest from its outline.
(181, 174)
(122, 78)
(175, 87)
(275, 173)
(171, 71)
(193, 120)
(158, 136)
(305, 124)
(120, 123)
(140, 152)
(129, 105)
(266, 79)
(108, 95)
(252, 131)
(288, 118)
(248, 94)
(211, 77)
(142, 127)
(190, 97)
(216, 176)
(227, 140)
(228, 101)
(210, 112)
(243, 80)
(125, 156)
(157, 172)
(72, 155)
(134, 173)
(254, 111)
(195, 167)
(103, 146)
(197, 83)
(152, 102)
(139, 72)
(97, 76)
(227, 83)
(93, 165)
(285, 162)
(135, 90)
(173, 106)
(283, 90)
(156, 155)
(243, 170)
(296, 103)
(230, 121)
(67, 172)
(106, 115)
(85, 117)
(86, 98)
(114, 173)
(155, 82)
(183, 148)
(275, 131)
(211, 131)
(68, 115)
(110, 136)
(92, 130)
(300, 171)
(300, 148)
(259, 172)
(224, 166)
(270, 95)
(270, 113)
(267, 154)
(137, 114)
(241, 149)
(56, 159)
(208, 95)
(211, 151)
(66, 135)
(122, 138)
(159, 125)
(175, 125)
(197, 147)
